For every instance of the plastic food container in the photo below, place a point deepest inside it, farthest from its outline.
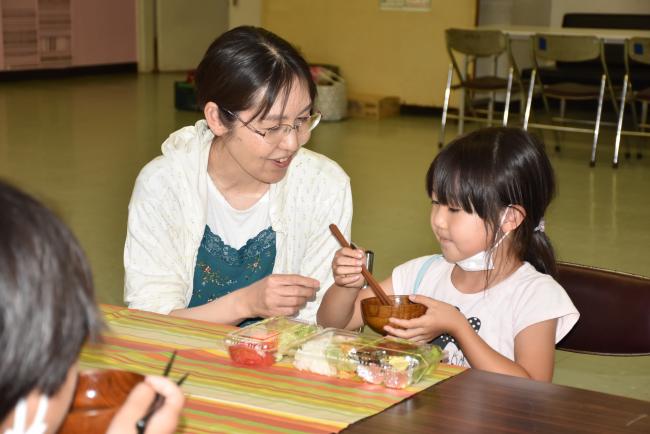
(392, 362)
(266, 342)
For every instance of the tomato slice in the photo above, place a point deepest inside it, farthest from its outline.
(242, 354)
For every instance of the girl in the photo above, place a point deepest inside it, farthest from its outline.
(491, 299)
(230, 223)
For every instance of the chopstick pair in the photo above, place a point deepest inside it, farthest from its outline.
(374, 285)
(159, 400)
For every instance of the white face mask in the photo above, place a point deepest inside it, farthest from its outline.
(482, 260)
(38, 425)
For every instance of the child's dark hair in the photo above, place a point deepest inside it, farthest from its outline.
(47, 304)
(244, 61)
(485, 171)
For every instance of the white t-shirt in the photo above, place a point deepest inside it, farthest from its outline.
(498, 314)
(235, 226)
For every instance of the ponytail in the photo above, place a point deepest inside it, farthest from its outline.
(540, 254)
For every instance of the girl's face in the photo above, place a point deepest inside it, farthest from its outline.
(459, 233)
(258, 159)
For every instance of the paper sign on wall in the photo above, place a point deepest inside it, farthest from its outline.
(405, 5)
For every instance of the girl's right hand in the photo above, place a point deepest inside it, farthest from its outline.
(346, 267)
(281, 295)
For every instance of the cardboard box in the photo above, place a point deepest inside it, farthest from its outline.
(372, 106)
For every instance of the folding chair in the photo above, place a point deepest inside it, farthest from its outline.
(614, 311)
(636, 50)
(551, 49)
(474, 45)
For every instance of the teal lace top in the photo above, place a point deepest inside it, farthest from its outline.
(221, 269)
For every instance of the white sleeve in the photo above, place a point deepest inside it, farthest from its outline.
(155, 276)
(321, 245)
(541, 300)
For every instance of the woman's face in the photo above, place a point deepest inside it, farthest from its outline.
(252, 154)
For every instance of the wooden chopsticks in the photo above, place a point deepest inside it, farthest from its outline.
(372, 282)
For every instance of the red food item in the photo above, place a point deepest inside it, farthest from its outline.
(396, 379)
(244, 355)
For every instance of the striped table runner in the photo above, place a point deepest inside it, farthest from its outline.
(223, 397)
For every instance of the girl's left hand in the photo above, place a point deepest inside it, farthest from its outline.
(439, 318)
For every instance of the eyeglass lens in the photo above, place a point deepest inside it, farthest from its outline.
(276, 135)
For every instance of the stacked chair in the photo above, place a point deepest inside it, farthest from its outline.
(549, 52)
(468, 46)
(636, 50)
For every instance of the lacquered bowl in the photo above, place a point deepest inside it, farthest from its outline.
(98, 396)
(375, 315)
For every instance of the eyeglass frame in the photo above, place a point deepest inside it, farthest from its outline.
(263, 134)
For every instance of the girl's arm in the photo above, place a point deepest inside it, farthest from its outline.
(534, 352)
(341, 305)
(534, 345)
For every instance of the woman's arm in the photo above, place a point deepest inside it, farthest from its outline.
(274, 295)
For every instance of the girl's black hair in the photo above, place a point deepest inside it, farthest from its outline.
(47, 303)
(242, 63)
(487, 170)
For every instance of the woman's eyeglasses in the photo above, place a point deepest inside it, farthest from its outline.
(275, 135)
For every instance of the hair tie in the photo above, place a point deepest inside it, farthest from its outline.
(540, 227)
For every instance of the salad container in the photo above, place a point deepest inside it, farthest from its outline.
(266, 342)
(392, 362)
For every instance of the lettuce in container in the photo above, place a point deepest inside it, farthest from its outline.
(266, 342)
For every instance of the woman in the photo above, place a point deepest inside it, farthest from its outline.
(47, 311)
(231, 222)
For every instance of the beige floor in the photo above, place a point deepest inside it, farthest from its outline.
(78, 144)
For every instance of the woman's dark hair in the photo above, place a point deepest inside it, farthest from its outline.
(245, 61)
(47, 304)
(487, 170)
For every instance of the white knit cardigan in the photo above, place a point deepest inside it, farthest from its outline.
(167, 217)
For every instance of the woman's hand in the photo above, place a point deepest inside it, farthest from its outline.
(346, 267)
(439, 318)
(281, 294)
(163, 421)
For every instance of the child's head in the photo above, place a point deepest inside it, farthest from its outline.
(492, 171)
(47, 304)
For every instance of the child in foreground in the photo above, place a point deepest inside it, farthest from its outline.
(492, 302)
(47, 313)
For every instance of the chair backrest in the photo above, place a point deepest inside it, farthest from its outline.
(614, 311)
(638, 49)
(479, 43)
(566, 48)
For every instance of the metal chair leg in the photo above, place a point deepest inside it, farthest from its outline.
(592, 163)
(621, 112)
(506, 109)
(445, 107)
(529, 99)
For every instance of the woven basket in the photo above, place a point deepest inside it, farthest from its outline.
(332, 97)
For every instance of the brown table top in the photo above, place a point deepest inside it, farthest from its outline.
(478, 401)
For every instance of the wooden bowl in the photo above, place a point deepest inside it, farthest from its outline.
(375, 315)
(98, 396)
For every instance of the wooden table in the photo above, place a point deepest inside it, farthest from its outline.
(482, 402)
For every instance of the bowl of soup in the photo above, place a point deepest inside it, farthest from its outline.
(375, 315)
(98, 396)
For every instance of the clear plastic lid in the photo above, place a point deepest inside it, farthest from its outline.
(265, 342)
(393, 362)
